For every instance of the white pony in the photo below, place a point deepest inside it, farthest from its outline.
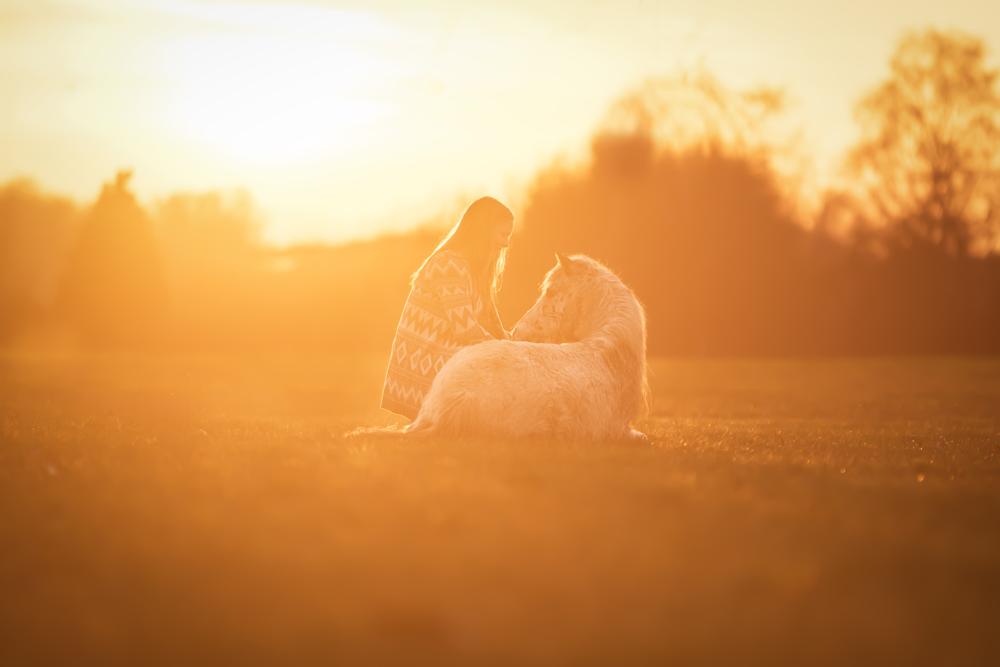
(576, 369)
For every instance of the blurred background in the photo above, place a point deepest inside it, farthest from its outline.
(209, 213)
(257, 176)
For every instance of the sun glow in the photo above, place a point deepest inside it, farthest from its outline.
(278, 85)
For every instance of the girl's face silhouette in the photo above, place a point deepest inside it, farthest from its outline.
(501, 234)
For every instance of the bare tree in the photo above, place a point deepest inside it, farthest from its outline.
(695, 108)
(929, 157)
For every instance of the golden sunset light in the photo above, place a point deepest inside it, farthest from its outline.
(272, 101)
(309, 105)
(499, 332)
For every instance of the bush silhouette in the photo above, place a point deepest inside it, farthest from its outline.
(112, 290)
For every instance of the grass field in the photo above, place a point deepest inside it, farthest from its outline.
(172, 510)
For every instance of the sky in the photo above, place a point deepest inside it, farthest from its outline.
(349, 119)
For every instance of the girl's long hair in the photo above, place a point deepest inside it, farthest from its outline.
(472, 237)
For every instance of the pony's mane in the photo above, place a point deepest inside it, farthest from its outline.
(619, 328)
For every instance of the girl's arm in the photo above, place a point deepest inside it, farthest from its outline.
(467, 328)
(497, 325)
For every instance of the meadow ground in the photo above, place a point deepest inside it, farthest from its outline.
(158, 509)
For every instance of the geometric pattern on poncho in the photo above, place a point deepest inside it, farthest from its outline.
(441, 314)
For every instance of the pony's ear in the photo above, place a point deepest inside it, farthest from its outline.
(564, 261)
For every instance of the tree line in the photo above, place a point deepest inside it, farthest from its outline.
(684, 193)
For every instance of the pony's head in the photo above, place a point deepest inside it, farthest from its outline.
(582, 300)
(569, 294)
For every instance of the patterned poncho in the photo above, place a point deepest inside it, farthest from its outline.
(441, 315)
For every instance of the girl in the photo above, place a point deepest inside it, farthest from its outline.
(452, 303)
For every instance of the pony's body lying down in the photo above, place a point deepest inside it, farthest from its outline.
(576, 370)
